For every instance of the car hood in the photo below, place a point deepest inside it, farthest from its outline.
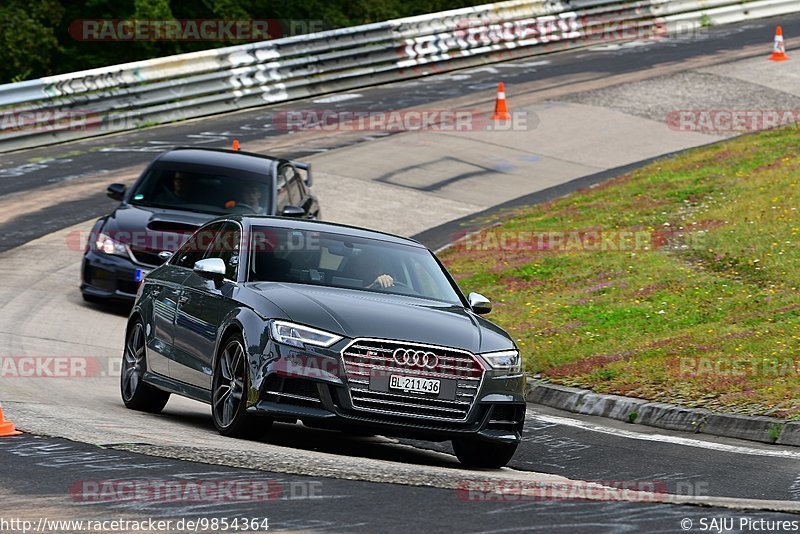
(355, 313)
(153, 228)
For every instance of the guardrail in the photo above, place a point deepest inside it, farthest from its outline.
(124, 97)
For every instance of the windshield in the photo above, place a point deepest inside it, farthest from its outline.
(335, 260)
(217, 191)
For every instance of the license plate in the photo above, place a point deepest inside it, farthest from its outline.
(414, 384)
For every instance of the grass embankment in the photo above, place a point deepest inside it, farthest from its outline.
(701, 307)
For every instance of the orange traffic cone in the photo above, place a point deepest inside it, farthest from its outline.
(779, 50)
(500, 107)
(7, 427)
(236, 144)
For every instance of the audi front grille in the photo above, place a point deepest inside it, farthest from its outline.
(367, 359)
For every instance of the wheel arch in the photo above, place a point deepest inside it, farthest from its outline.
(251, 327)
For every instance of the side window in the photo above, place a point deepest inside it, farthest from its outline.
(194, 249)
(226, 247)
(282, 187)
(295, 191)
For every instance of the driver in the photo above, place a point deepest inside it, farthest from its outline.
(249, 197)
(372, 266)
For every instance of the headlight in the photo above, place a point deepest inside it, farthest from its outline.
(505, 360)
(105, 244)
(299, 335)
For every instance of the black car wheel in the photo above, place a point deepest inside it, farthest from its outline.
(229, 399)
(135, 393)
(474, 453)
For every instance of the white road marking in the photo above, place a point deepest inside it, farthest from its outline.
(337, 98)
(525, 65)
(662, 438)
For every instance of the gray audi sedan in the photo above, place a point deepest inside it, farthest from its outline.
(277, 319)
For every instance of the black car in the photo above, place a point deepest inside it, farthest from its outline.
(179, 191)
(336, 326)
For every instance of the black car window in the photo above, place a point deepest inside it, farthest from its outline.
(295, 189)
(211, 190)
(196, 246)
(339, 260)
(225, 245)
(282, 188)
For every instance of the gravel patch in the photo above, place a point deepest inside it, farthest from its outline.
(657, 98)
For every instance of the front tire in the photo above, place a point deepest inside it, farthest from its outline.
(484, 454)
(229, 393)
(135, 393)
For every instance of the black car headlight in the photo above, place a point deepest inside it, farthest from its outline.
(298, 335)
(504, 360)
(105, 244)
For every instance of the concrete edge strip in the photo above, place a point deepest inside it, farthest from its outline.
(666, 416)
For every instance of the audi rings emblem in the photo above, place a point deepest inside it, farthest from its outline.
(415, 358)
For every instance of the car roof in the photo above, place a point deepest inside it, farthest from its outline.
(320, 226)
(219, 157)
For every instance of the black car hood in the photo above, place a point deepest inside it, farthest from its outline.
(130, 223)
(355, 313)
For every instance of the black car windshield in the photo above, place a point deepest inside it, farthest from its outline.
(336, 260)
(216, 190)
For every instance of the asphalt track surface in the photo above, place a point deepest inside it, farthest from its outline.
(47, 467)
(44, 468)
(38, 473)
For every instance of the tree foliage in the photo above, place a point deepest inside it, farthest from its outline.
(27, 37)
(36, 41)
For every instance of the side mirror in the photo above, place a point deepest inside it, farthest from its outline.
(293, 211)
(211, 268)
(116, 191)
(479, 304)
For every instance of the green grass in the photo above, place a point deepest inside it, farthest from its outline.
(705, 311)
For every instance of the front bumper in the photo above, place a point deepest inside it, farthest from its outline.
(105, 276)
(314, 388)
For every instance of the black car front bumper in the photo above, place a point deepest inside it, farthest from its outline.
(111, 277)
(316, 392)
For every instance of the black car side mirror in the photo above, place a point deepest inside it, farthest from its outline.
(293, 211)
(116, 191)
(479, 304)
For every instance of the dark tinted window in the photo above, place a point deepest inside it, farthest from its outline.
(196, 246)
(282, 188)
(214, 190)
(225, 245)
(328, 259)
(295, 191)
